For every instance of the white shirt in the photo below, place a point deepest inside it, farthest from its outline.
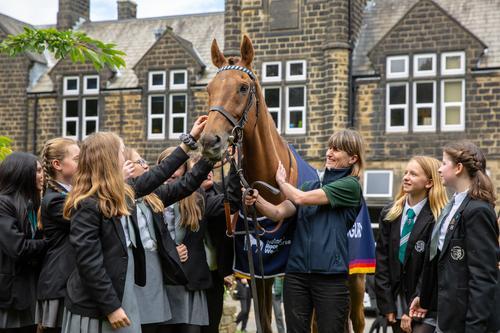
(459, 198)
(65, 186)
(417, 208)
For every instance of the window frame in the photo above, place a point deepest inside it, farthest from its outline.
(415, 106)
(151, 135)
(173, 86)
(432, 72)
(266, 78)
(289, 109)
(403, 75)
(452, 128)
(66, 119)
(86, 118)
(448, 72)
(90, 91)
(152, 87)
(274, 109)
(389, 107)
(365, 183)
(292, 78)
(174, 135)
(67, 92)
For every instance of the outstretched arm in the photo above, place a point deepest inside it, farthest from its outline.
(274, 212)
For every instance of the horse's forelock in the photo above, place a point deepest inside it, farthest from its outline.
(233, 60)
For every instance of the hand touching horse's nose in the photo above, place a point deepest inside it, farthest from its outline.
(198, 127)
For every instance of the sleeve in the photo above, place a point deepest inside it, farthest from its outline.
(385, 299)
(214, 205)
(53, 206)
(481, 240)
(85, 239)
(13, 241)
(345, 192)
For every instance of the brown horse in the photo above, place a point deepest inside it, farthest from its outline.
(236, 98)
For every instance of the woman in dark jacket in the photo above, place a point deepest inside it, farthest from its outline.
(21, 250)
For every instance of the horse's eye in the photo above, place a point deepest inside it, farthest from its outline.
(243, 89)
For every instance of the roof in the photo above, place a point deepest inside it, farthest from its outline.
(480, 17)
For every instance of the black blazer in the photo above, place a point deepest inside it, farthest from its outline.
(95, 288)
(19, 258)
(392, 277)
(465, 273)
(59, 261)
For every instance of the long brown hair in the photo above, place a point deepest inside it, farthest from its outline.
(436, 194)
(54, 149)
(474, 162)
(100, 174)
(192, 207)
(352, 143)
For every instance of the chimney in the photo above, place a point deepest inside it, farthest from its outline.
(127, 9)
(71, 12)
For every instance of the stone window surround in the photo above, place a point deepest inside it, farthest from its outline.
(387, 194)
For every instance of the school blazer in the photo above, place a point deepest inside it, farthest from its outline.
(392, 277)
(465, 273)
(20, 256)
(59, 261)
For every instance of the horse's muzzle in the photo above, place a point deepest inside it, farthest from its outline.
(212, 147)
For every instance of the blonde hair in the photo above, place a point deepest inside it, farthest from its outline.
(192, 207)
(151, 199)
(436, 194)
(54, 149)
(99, 174)
(352, 143)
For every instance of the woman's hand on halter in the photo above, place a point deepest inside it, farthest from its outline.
(280, 174)
(118, 319)
(250, 199)
(198, 127)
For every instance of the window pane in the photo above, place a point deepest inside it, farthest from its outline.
(296, 119)
(397, 117)
(90, 127)
(91, 108)
(179, 78)
(272, 70)
(71, 108)
(453, 62)
(71, 84)
(378, 183)
(424, 117)
(157, 105)
(397, 95)
(272, 97)
(296, 96)
(178, 124)
(157, 125)
(92, 83)
(71, 128)
(453, 91)
(425, 64)
(275, 117)
(398, 66)
(425, 92)
(157, 79)
(178, 104)
(297, 69)
(452, 116)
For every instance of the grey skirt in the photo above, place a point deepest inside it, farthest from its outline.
(154, 306)
(49, 313)
(74, 323)
(17, 318)
(188, 307)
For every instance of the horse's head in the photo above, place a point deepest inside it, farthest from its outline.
(231, 97)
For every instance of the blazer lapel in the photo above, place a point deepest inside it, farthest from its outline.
(453, 224)
(117, 224)
(395, 238)
(424, 217)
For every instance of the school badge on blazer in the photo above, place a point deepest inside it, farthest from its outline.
(457, 253)
(420, 246)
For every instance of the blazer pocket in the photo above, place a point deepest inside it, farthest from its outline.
(6, 282)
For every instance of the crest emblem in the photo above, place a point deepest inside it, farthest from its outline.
(457, 253)
(420, 246)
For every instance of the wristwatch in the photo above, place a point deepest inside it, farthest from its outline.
(189, 141)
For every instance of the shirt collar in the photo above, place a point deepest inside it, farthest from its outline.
(65, 186)
(417, 208)
(459, 197)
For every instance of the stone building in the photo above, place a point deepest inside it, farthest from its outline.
(409, 75)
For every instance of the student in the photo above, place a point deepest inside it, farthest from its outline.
(59, 161)
(245, 297)
(21, 250)
(462, 274)
(405, 227)
(109, 252)
(317, 271)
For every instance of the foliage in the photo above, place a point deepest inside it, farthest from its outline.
(5, 150)
(76, 44)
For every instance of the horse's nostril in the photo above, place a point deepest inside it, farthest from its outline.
(217, 139)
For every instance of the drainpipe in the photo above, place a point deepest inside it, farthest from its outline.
(35, 122)
(351, 96)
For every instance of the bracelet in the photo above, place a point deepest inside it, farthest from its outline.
(189, 141)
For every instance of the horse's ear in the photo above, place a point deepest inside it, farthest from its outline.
(218, 58)
(246, 50)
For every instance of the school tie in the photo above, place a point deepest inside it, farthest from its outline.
(405, 234)
(437, 228)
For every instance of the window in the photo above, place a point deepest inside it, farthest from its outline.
(70, 118)
(296, 70)
(397, 67)
(178, 79)
(91, 84)
(424, 102)
(424, 65)
(177, 115)
(90, 116)
(71, 85)
(453, 63)
(271, 72)
(296, 110)
(397, 107)
(156, 117)
(378, 183)
(272, 96)
(452, 105)
(156, 80)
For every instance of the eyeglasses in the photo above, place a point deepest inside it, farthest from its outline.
(141, 162)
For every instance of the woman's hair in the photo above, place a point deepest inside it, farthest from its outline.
(18, 180)
(436, 194)
(474, 162)
(192, 207)
(153, 201)
(352, 143)
(54, 149)
(100, 175)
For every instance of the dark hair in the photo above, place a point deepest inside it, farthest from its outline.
(18, 181)
(474, 162)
